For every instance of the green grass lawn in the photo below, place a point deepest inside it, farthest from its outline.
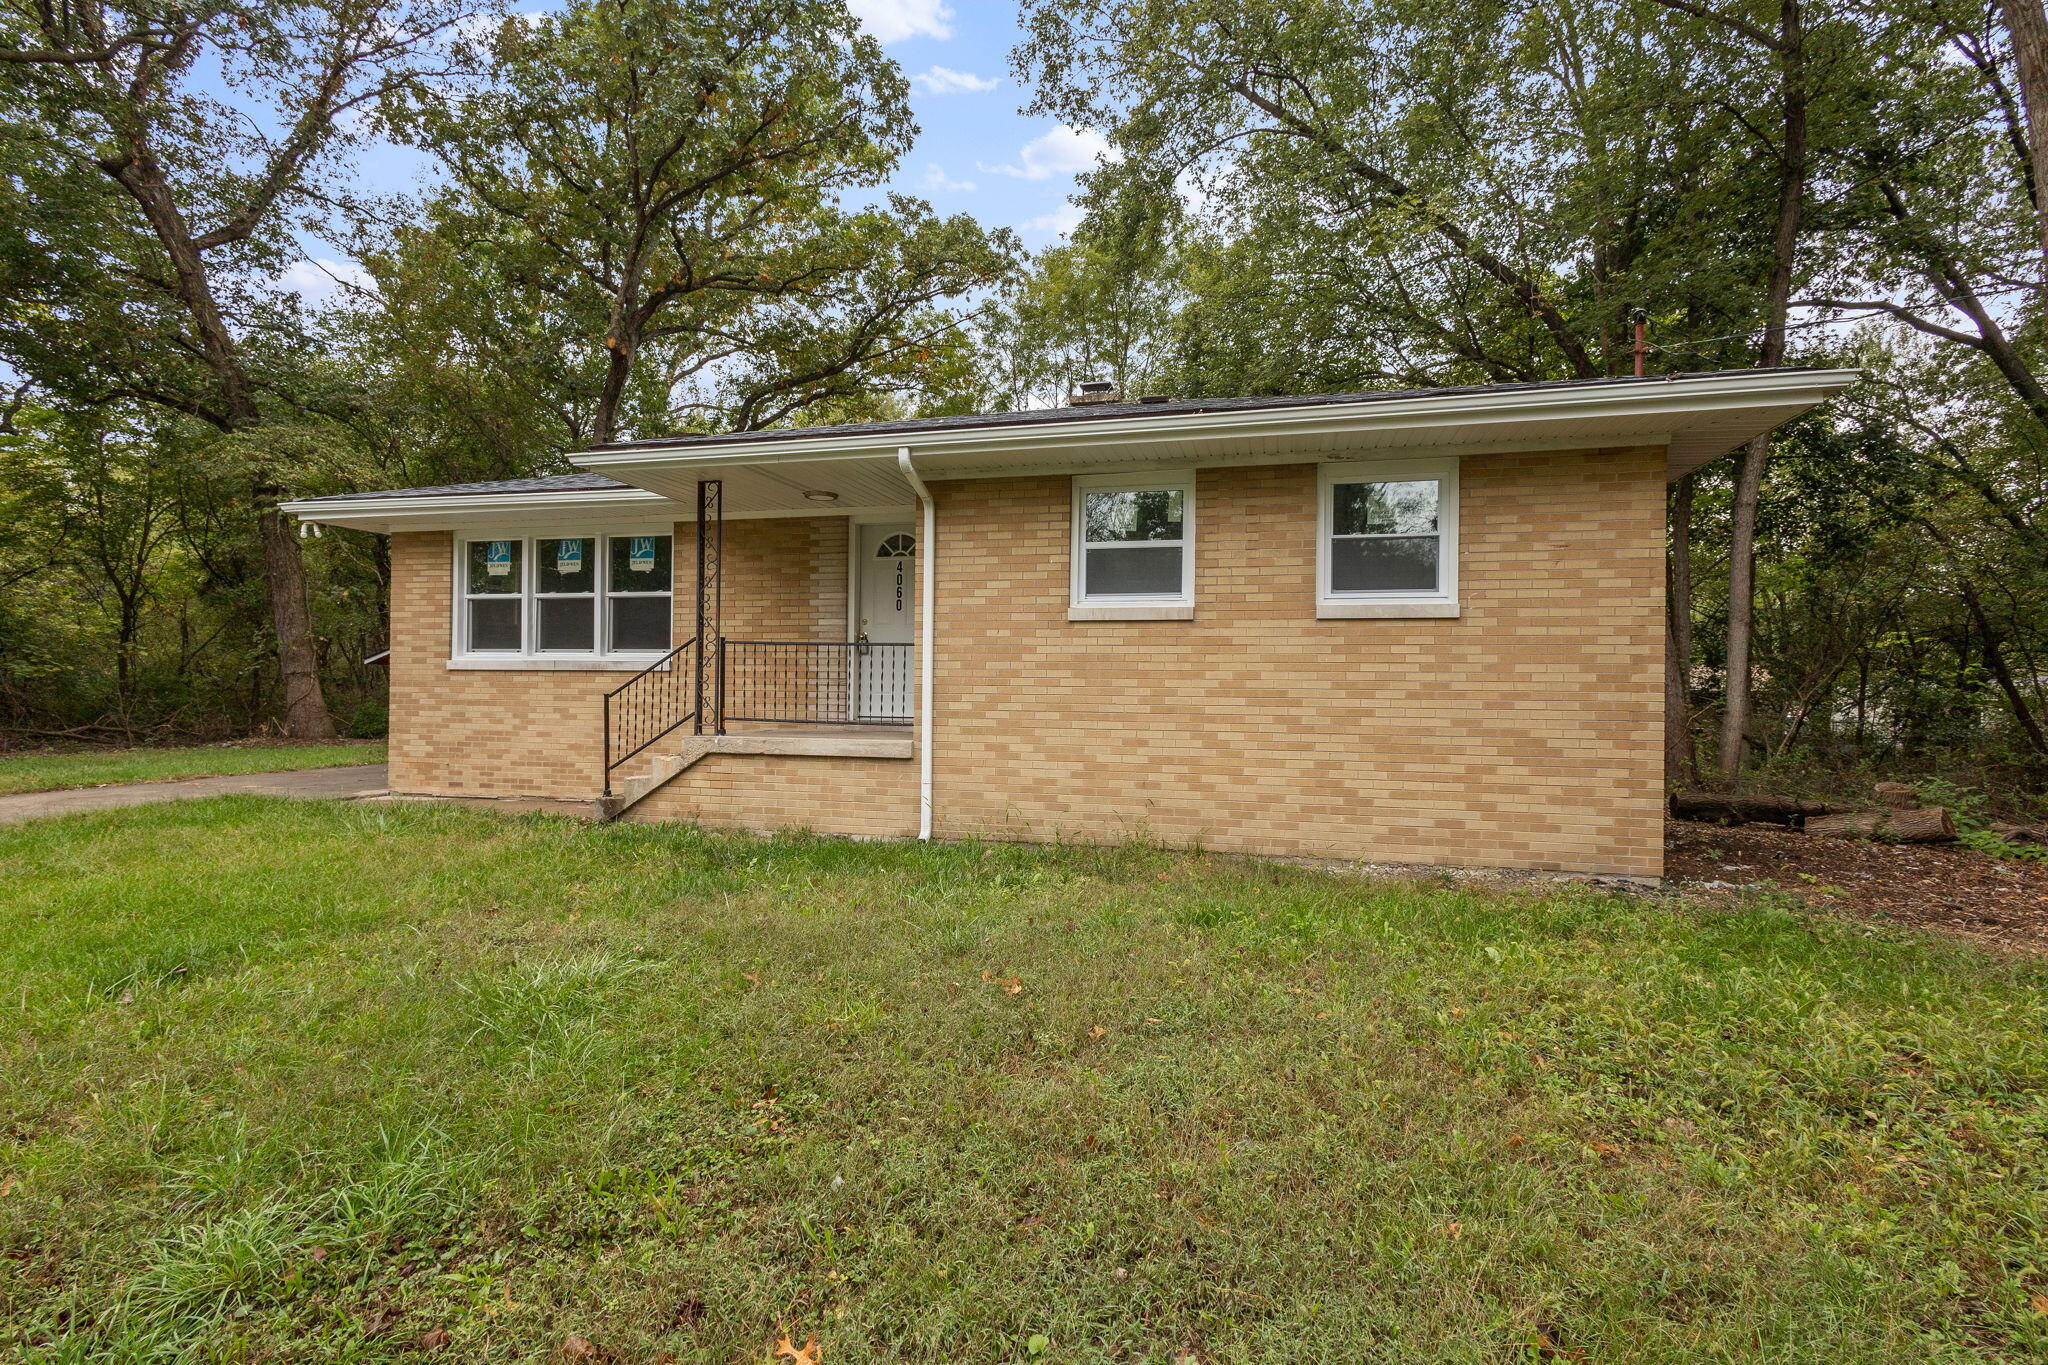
(105, 767)
(323, 1083)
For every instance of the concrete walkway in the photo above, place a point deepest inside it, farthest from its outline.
(312, 784)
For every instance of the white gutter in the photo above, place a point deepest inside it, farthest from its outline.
(927, 575)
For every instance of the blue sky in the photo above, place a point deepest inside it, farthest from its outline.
(976, 152)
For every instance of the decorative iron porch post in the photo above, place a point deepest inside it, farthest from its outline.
(710, 595)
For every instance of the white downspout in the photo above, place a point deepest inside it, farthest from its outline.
(927, 563)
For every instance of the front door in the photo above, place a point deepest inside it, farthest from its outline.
(885, 613)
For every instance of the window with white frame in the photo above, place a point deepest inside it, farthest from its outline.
(570, 596)
(1389, 533)
(1134, 540)
(565, 595)
(637, 605)
(494, 616)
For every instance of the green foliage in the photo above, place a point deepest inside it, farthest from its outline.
(370, 720)
(658, 184)
(641, 224)
(152, 204)
(327, 1080)
(1971, 811)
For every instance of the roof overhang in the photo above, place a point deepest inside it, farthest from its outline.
(1695, 418)
(607, 508)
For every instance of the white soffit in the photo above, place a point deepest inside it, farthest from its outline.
(779, 488)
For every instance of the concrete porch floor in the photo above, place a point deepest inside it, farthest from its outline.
(777, 732)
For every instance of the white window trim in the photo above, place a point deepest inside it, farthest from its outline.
(594, 597)
(528, 659)
(1178, 606)
(1443, 601)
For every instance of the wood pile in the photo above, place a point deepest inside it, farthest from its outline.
(1898, 817)
(1926, 825)
(1718, 808)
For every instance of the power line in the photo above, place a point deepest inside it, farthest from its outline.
(1862, 316)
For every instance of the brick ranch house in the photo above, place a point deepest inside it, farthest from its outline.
(1421, 627)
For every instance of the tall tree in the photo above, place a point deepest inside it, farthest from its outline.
(166, 154)
(2026, 25)
(669, 174)
(1785, 142)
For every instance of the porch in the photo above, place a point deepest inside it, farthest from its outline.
(731, 694)
(786, 766)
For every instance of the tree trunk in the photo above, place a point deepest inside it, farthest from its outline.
(622, 333)
(1749, 474)
(1681, 763)
(604, 423)
(1749, 482)
(1711, 807)
(2027, 25)
(1928, 825)
(1994, 660)
(305, 708)
(298, 659)
(124, 652)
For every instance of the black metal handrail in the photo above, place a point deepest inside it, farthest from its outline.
(658, 700)
(805, 682)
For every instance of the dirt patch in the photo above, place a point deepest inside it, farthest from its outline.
(1930, 886)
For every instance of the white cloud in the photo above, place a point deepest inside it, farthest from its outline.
(944, 80)
(1063, 151)
(891, 21)
(318, 281)
(936, 181)
(1060, 222)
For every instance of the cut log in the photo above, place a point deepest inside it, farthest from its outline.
(2019, 834)
(1930, 825)
(1717, 807)
(1897, 796)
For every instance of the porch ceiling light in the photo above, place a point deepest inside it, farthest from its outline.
(820, 495)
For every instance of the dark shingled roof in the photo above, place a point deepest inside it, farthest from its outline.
(553, 483)
(1096, 412)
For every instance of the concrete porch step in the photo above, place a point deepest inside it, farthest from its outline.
(803, 741)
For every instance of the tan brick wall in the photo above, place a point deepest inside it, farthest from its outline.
(863, 797)
(1525, 733)
(499, 732)
(785, 577)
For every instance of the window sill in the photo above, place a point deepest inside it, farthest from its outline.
(523, 664)
(1385, 611)
(1132, 611)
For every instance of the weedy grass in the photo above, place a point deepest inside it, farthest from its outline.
(108, 767)
(288, 1082)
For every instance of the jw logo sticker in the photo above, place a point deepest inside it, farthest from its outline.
(498, 558)
(569, 558)
(640, 554)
